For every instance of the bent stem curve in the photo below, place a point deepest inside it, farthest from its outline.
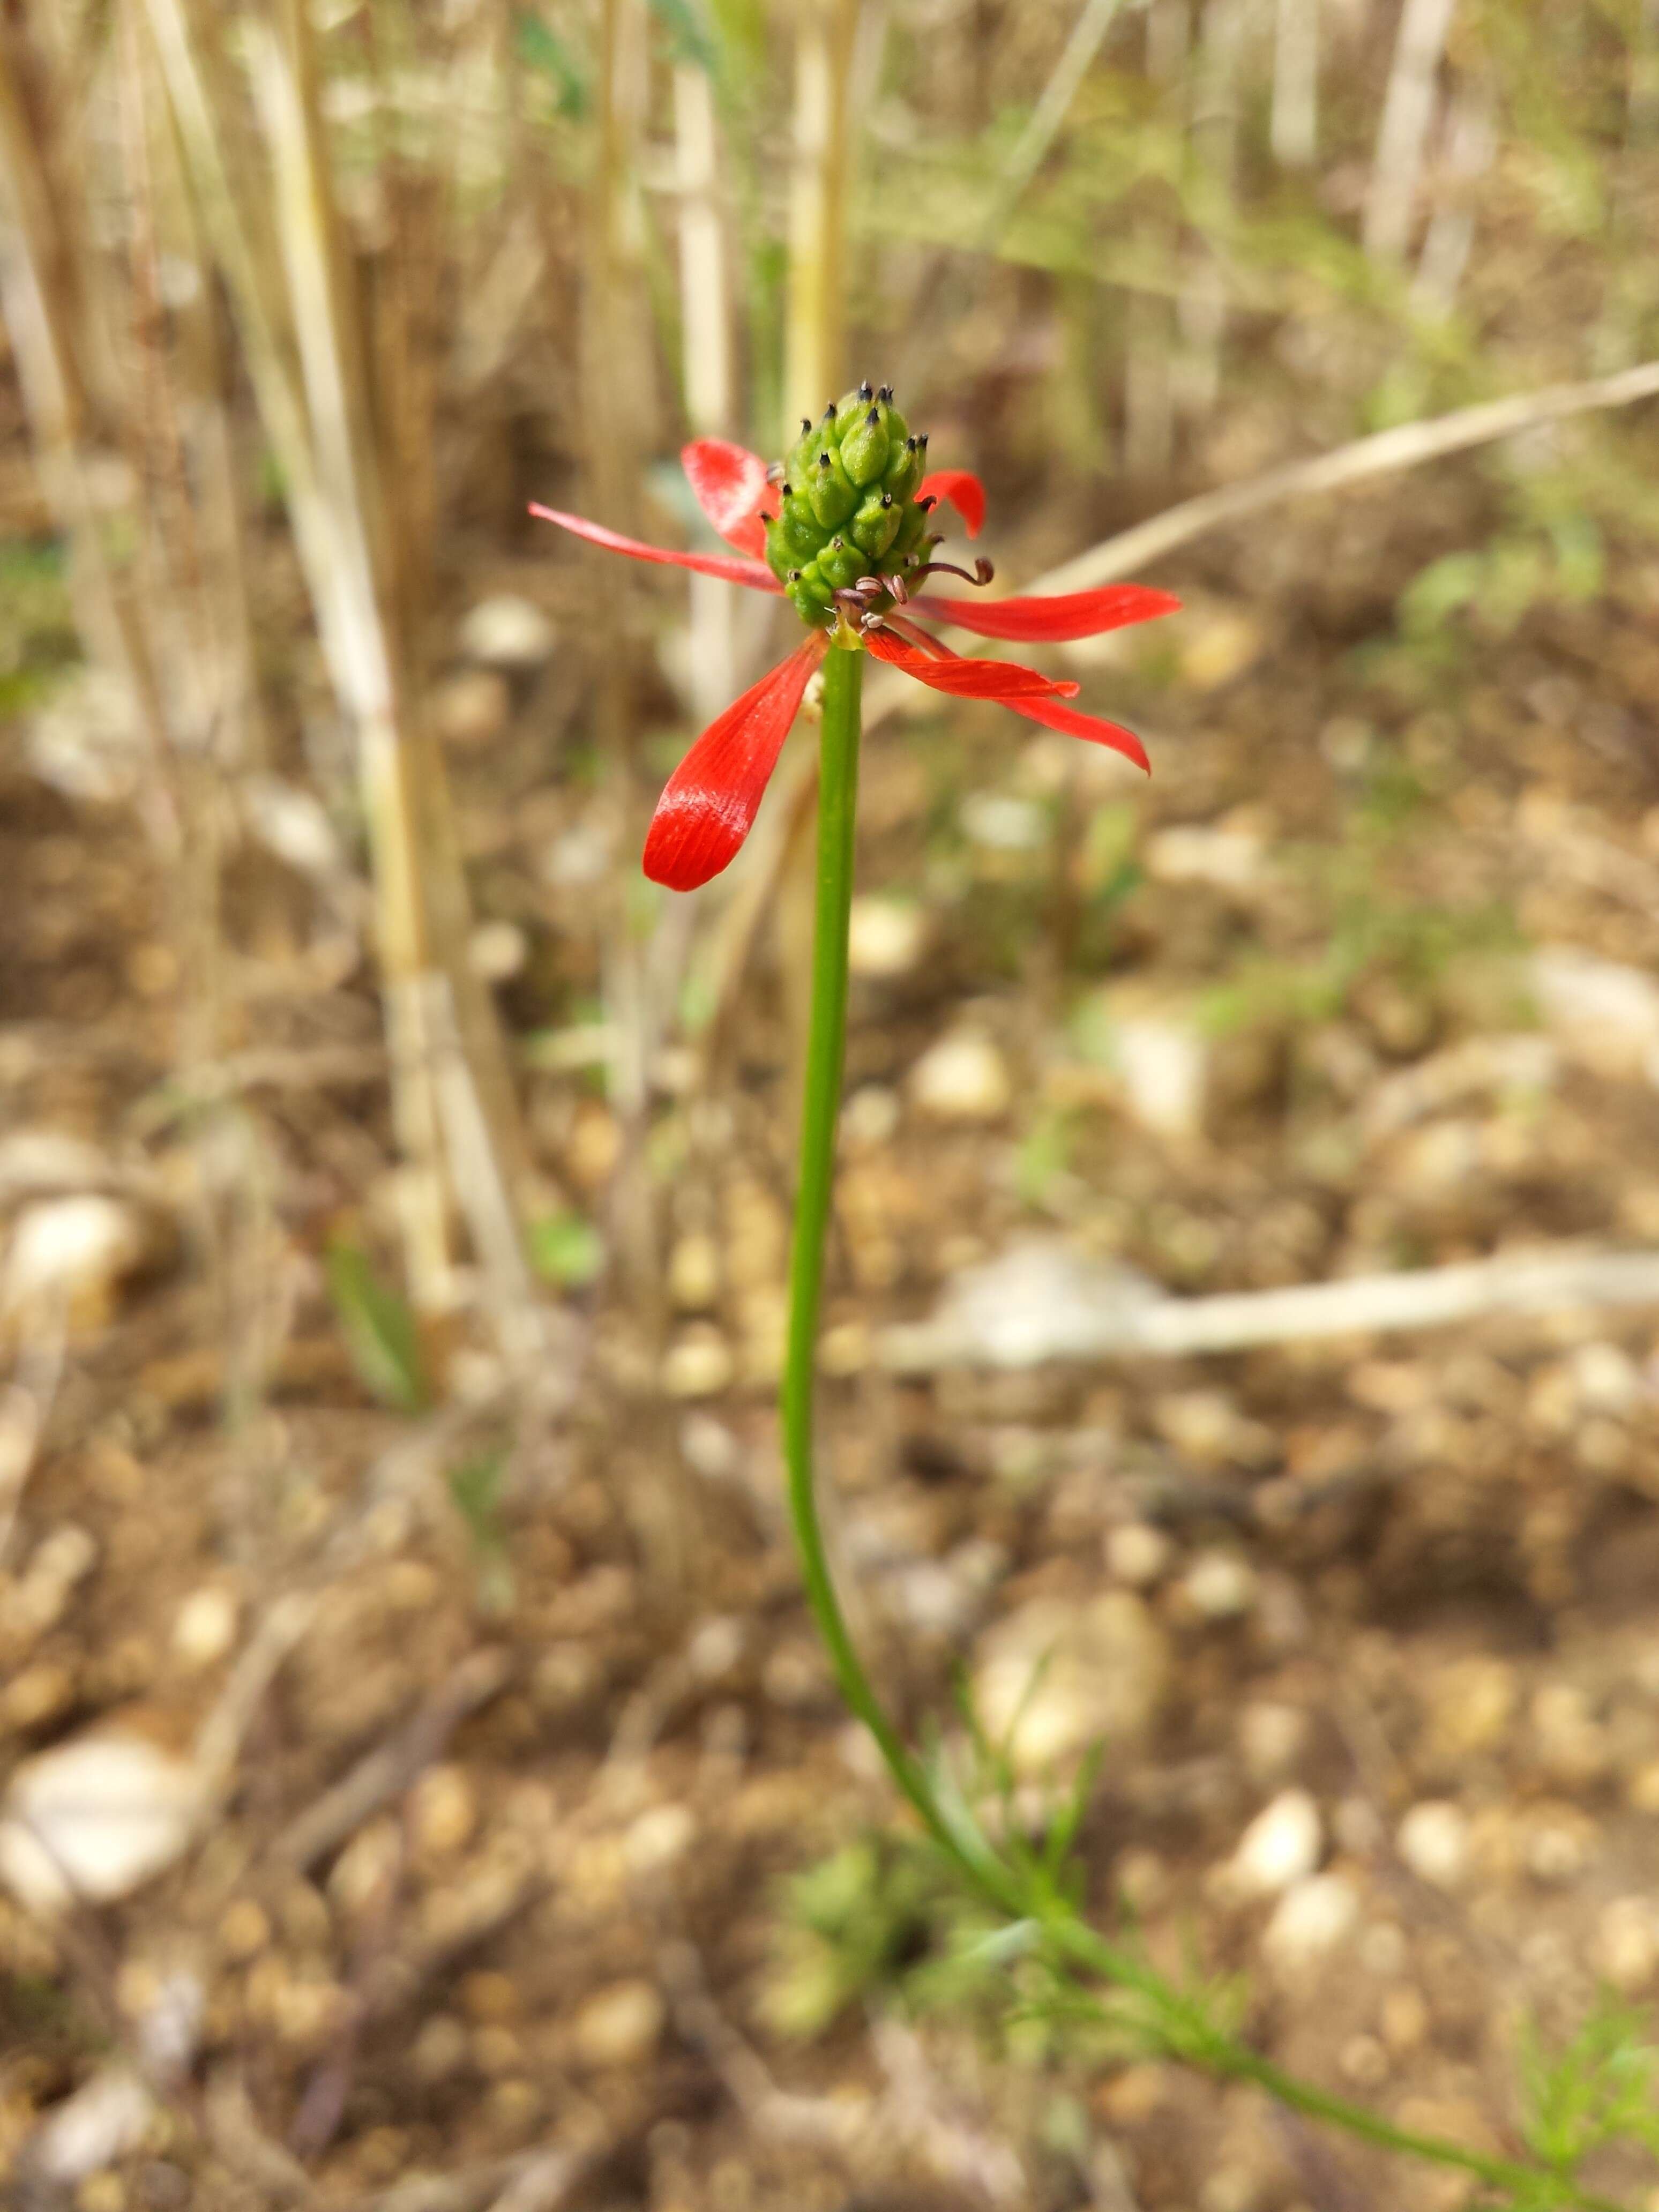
(1070, 1944)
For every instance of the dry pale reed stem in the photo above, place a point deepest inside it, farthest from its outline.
(815, 339)
(1407, 109)
(1293, 124)
(1049, 116)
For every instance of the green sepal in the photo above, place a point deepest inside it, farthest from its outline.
(911, 533)
(904, 469)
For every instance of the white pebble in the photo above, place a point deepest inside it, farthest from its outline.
(1138, 1554)
(885, 938)
(507, 632)
(620, 2026)
(698, 1364)
(1311, 1920)
(1281, 1846)
(205, 1628)
(1220, 1586)
(962, 1077)
(1434, 1842)
(95, 1819)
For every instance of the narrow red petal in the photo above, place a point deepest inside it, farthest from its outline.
(964, 491)
(709, 803)
(1072, 614)
(968, 679)
(730, 483)
(755, 574)
(1071, 724)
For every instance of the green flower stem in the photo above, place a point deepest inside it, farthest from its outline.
(1071, 1946)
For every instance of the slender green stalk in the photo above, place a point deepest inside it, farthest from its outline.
(1012, 1883)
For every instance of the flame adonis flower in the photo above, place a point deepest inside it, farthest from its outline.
(843, 529)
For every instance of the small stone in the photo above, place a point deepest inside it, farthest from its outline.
(496, 951)
(567, 1677)
(1559, 1850)
(364, 1871)
(472, 707)
(1220, 1586)
(1471, 1706)
(107, 2118)
(694, 1273)
(1138, 1554)
(443, 1812)
(1364, 2061)
(36, 1696)
(441, 2048)
(1272, 1738)
(620, 2026)
(658, 1838)
(1000, 822)
(1163, 1065)
(1607, 1015)
(1311, 1920)
(507, 632)
(244, 1931)
(77, 1250)
(1281, 1846)
(68, 1555)
(698, 1364)
(1061, 1677)
(205, 1628)
(1607, 1379)
(490, 1997)
(1404, 2020)
(870, 1117)
(885, 938)
(962, 1077)
(1433, 1840)
(846, 1350)
(1626, 1946)
(95, 1818)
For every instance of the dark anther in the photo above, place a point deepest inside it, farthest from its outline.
(886, 393)
(873, 417)
(824, 460)
(786, 489)
(983, 570)
(887, 499)
(922, 439)
(830, 412)
(805, 424)
(928, 504)
(910, 445)
(838, 544)
(866, 390)
(896, 589)
(795, 576)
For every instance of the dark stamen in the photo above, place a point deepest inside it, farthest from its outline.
(983, 575)
(830, 412)
(786, 489)
(873, 417)
(910, 445)
(866, 390)
(805, 424)
(824, 460)
(838, 544)
(795, 574)
(928, 504)
(887, 499)
(886, 393)
(922, 439)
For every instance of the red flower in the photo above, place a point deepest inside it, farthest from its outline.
(709, 803)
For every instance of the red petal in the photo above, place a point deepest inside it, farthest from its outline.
(730, 483)
(968, 679)
(1071, 724)
(1073, 614)
(965, 493)
(709, 804)
(755, 574)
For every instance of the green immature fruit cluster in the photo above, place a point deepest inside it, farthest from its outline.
(846, 506)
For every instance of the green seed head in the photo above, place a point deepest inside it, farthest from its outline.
(847, 505)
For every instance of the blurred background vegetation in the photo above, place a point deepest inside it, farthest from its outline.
(395, 1185)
